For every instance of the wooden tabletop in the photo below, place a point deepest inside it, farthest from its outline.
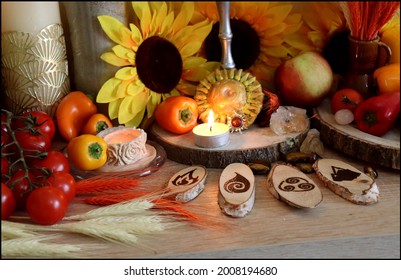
(272, 230)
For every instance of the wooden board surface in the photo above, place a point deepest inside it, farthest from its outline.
(252, 144)
(273, 229)
(383, 151)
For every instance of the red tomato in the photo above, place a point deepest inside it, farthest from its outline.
(20, 187)
(54, 161)
(32, 142)
(7, 202)
(345, 98)
(63, 181)
(4, 168)
(46, 205)
(38, 120)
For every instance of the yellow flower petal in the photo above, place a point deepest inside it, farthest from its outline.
(193, 61)
(115, 30)
(124, 113)
(108, 91)
(126, 73)
(142, 10)
(136, 35)
(183, 17)
(154, 100)
(136, 121)
(113, 108)
(112, 59)
(190, 49)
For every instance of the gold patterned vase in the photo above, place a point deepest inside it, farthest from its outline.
(34, 67)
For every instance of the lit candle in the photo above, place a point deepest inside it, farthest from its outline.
(29, 17)
(211, 134)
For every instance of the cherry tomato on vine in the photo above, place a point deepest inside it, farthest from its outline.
(38, 120)
(32, 142)
(63, 181)
(54, 161)
(345, 98)
(7, 202)
(21, 187)
(46, 205)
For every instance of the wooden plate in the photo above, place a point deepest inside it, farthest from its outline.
(255, 143)
(383, 151)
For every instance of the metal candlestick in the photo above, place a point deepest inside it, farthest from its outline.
(225, 34)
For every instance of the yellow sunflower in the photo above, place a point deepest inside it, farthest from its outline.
(259, 35)
(157, 59)
(321, 21)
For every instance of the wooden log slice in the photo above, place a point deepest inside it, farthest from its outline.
(236, 190)
(289, 184)
(253, 144)
(187, 183)
(347, 181)
(383, 151)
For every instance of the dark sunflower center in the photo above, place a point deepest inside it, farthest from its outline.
(245, 44)
(159, 64)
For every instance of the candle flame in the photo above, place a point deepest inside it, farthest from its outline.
(210, 120)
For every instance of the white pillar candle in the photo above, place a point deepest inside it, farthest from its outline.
(29, 17)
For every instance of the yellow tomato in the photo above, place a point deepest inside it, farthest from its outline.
(87, 151)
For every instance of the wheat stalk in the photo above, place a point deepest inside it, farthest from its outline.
(124, 208)
(35, 247)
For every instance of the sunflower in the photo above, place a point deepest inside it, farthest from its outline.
(259, 35)
(157, 59)
(321, 21)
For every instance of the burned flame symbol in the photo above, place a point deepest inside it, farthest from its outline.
(185, 179)
(238, 184)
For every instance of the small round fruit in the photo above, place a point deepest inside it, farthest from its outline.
(344, 116)
(8, 203)
(345, 98)
(46, 205)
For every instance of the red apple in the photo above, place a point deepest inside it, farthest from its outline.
(304, 80)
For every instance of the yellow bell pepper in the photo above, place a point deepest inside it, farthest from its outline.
(391, 37)
(387, 78)
(87, 151)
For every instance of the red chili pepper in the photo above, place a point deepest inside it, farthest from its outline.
(377, 115)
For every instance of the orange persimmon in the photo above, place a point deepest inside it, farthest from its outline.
(96, 123)
(177, 114)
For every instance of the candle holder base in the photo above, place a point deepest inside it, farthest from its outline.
(255, 143)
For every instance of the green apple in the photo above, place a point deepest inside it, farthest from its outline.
(304, 81)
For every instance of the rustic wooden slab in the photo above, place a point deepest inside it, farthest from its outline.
(347, 181)
(187, 183)
(289, 184)
(383, 151)
(253, 144)
(236, 190)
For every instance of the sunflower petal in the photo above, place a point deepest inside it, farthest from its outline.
(115, 30)
(193, 61)
(126, 73)
(142, 10)
(112, 59)
(190, 49)
(108, 91)
(136, 35)
(113, 108)
(154, 100)
(137, 119)
(183, 17)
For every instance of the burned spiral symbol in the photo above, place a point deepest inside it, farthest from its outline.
(296, 184)
(238, 184)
